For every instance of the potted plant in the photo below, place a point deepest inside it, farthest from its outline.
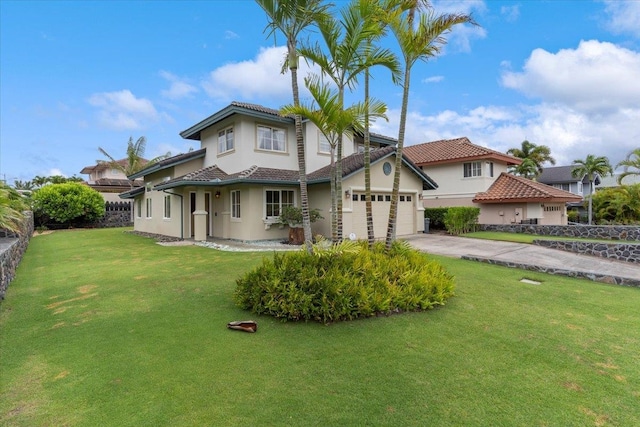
(292, 216)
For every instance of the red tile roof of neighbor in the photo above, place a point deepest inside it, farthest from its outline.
(510, 188)
(454, 151)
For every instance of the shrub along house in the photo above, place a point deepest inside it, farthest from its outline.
(246, 171)
(471, 175)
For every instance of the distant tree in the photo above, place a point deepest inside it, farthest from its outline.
(23, 185)
(527, 169)
(631, 165)
(591, 166)
(12, 205)
(68, 202)
(38, 181)
(59, 179)
(135, 160)
(538, 154)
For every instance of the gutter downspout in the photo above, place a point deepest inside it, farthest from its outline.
(181, 212)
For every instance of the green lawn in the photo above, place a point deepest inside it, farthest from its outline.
(104, 328)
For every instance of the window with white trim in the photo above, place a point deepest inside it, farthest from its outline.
(225, 140)
(275, 200)
(139, 208)
(271, 139)
(472, 169)
(235, 204)
(563, 186)
(580, 188)
(323, 144)
(149, 205)
(166, 214)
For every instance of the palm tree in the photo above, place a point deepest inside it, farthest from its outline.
(292, 17)
(23, 185)
(348, 55)
(333, 120)
(418, 41)
(631, 162)
(135, 160)
(591, 167)
(527, 169)
(539, 154)
(39, 181)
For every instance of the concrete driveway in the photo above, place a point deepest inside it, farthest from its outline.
(529, 257)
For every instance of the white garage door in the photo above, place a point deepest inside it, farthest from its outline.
(380, 208)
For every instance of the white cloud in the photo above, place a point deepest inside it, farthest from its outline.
(433, 79)
(624, 16)
(595, 77)
(179, 88)
(123, 111)
(230, 35)
(461, 36)
(259, 78)
(511, 13)
(569, 134)
(55, 172)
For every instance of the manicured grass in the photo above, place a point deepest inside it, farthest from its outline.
(522, 237)
(102, 328)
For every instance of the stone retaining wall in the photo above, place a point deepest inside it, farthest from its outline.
(604, 232)
(12, 248)
(619, 251)
(613, 280)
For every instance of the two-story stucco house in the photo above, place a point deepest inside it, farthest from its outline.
(561, 177)
(108, 181)
(246, 171)
(471, 175)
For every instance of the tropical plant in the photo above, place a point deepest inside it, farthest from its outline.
(631, 165)
(328, 114)
(617, 205)
(527, 169)
(292, 17)
(590, 167)
(23, 185)
(348, 54)
(69, 202)
(419, 40)
(461, 219)
(538, 154)
(12, 205)
(292, 216)
(134, 160)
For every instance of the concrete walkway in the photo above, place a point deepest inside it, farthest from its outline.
(529, 257)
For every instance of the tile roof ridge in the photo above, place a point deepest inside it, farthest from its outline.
(248, 172)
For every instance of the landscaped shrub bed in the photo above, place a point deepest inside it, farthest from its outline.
(344, 282)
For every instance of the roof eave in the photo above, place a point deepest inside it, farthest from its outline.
(158, 167)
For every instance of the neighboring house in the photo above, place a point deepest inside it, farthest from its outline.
(513, 199)
(561, 177)
(612, 181)
(108, 181)
(460, 168)
(471, 175)
(246, 171)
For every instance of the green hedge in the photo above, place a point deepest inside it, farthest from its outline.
(344, 282)
(461, 219)
(436, 217)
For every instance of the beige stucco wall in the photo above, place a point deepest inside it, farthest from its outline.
(509, 213)
(453, 185)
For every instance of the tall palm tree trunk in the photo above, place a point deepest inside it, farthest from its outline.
(367, 165)
(393, 210)
(302, 167)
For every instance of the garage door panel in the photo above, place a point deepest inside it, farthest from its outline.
(380, 209)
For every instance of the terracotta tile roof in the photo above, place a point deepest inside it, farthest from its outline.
(510, 188)
(115, 182)
(256, 107)
(454, 151)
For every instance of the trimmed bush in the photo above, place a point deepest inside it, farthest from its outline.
(343, 282)
(67, 203)
(436, 217)
(459, 220)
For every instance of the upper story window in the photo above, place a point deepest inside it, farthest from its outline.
(225, 140)
(580, 189)
(472, 169)
(115, 171)
(563, 186)
(272, 139)
(323, 144)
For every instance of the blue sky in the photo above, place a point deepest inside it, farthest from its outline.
(75, 76)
